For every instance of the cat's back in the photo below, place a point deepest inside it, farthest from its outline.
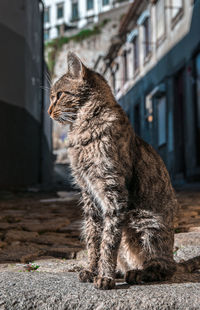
(151, 181)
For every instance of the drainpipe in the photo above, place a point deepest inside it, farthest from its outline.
(40, 177)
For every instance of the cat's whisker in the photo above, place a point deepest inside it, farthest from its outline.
(69, 113)
(72, 109)
(66, 119)
(48, 78)
(45, 88)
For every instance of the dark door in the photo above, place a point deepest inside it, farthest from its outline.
(197, 109)
(179, 167)
(137, 119)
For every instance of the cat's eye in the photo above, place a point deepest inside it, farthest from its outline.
(59, 94)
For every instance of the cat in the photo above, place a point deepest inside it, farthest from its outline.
(129, 203)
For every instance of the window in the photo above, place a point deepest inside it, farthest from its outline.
(125, 71)
(176, 7)
(113, 81)
(47, 14)
(60, 30)
(135, 54)
(105, 2)
(147, 37)
(161, 109)
(160, 21)
(74, 10)
(144, 20)
(46, 34)
(60, 10)
(90, 4)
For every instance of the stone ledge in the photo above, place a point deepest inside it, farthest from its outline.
(63, 291)
(52, 287)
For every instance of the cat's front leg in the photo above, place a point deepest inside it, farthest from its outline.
(92, 232)
(115, 204)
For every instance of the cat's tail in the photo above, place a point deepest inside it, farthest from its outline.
(189, 266)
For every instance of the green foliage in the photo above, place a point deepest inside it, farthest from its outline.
(51, 60)
(86, 33)
(55, 45)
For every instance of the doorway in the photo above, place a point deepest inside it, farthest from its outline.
(197, 109)
(179, 143)
(137, 119)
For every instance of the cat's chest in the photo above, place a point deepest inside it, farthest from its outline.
(81, 157)
(82, 149)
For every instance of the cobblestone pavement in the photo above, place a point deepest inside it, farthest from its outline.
(188, 218)
(41, 225)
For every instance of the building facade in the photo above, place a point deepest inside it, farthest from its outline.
(25, 129)
(61, 16)
(154, 69)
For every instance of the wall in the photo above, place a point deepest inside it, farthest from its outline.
(85, 16)
(22, 133)
(179, 57)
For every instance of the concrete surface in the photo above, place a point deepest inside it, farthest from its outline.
(63, 291)
(53, 287)
(45, 228)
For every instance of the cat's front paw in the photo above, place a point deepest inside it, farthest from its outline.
(104, 283)
(134, 277)
(86, 276)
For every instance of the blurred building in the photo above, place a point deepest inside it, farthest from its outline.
(61, 16)
(153, 66)
(25, 128)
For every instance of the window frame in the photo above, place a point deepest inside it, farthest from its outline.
(175, 19)
(136, 60)
(125, 67)
(104, 4)
(161, 39)
(87, 5)
(74, 18)
(60, 5)
(147, 38)
(47, 8)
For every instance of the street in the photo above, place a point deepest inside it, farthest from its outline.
(47, 225)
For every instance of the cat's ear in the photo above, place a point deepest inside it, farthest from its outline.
(76, 68)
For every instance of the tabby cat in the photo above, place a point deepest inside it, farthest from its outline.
(128, 200)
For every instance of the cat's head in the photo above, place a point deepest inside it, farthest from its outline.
(70, 92)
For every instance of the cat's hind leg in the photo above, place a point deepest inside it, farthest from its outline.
(155, 255)
(154, 270)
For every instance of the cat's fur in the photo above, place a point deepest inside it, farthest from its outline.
(129, 202)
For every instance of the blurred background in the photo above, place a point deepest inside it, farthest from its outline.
(149, 52)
